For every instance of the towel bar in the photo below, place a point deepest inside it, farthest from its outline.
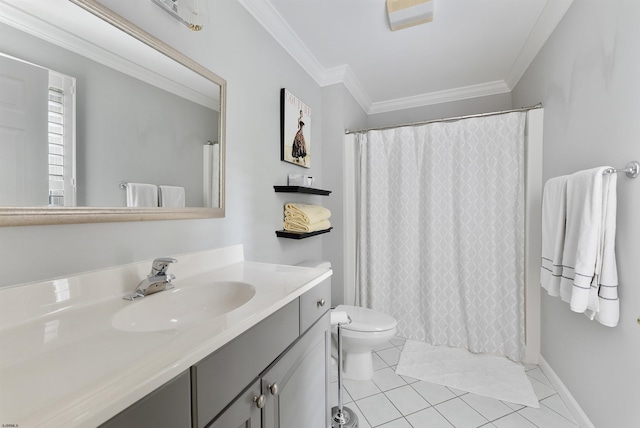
(632, 170)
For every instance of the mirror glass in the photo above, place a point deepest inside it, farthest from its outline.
(88, 112)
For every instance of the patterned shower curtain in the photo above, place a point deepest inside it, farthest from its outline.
(441, 231)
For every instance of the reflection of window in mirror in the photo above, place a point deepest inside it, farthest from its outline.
(61, 113)
(37, 135)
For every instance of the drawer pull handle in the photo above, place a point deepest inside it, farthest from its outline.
(320, 302)
(273, 388)
(259, 401)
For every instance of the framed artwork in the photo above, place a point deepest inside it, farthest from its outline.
(295, 130)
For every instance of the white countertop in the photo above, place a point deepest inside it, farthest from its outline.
(63, 364)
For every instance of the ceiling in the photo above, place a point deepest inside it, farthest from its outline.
(472, 48)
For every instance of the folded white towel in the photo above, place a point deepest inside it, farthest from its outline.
(554, 210)
(142, 195)
(306, 213)
(172, 196)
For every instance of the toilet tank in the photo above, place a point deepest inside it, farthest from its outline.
(322, 264)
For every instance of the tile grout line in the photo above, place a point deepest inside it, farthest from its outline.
(557, 413)
(528, 420)
(456, 396)
(402, 415)
(355, 403)
(471, 407)
(504, 416)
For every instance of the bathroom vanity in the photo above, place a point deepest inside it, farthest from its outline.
(74, 359)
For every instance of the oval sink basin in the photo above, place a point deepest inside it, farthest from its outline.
(167, 310)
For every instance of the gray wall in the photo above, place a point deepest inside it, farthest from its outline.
(340, 112)
(438, 111)
(237, 48)
(587, 78)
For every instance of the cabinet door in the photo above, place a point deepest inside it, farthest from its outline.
(296, 386)
(243, 412)
(220, 377)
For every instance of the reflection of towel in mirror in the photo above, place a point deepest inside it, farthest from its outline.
(308, 214)
(142, 195)
(300, 226)
(171, 196)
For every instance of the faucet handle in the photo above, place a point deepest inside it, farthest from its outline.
(160, 265)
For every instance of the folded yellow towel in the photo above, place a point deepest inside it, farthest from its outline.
(296, 226)
(309, 214)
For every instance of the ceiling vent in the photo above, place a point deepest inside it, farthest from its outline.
(407, 13)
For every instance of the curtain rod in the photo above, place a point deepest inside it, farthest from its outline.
(449, 119)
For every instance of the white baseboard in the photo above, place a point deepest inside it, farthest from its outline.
(578, 414)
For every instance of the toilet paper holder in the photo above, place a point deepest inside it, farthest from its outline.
(341, 416)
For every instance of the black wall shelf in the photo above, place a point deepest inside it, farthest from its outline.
(300, 235)
(301, 189)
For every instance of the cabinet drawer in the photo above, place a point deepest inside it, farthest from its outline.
(221, 376)
(314, 303)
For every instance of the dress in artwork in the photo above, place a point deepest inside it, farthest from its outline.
(299, 149)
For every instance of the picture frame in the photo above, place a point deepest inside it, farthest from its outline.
(295, 130)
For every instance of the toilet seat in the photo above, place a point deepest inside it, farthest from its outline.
(367, 320)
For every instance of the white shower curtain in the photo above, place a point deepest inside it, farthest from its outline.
(441, 231)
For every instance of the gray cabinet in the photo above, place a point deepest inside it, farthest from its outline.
(291, 389)
(276, 374)
(243, 412)
(220, 377)
(296, 386)
(168, 406)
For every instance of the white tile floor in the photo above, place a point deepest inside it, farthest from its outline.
(393, 401)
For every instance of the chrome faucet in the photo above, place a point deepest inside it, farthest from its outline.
(157, 280)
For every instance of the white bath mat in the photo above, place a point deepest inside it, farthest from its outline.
(482, 374)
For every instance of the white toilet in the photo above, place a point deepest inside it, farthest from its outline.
(368, 329)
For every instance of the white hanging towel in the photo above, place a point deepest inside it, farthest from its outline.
(589, 205)
(142, 195)
(172, 196)
(584, 218)
(554, 214)
(607, 290)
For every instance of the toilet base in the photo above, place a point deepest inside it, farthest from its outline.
(358, 365)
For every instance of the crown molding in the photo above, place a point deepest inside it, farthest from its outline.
(548, 20)
(271, 20)
(267, 16)
(351, 82)
(439, 97)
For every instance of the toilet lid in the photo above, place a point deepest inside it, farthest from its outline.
(364, 319)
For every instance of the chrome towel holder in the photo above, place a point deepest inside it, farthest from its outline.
(632, 170)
